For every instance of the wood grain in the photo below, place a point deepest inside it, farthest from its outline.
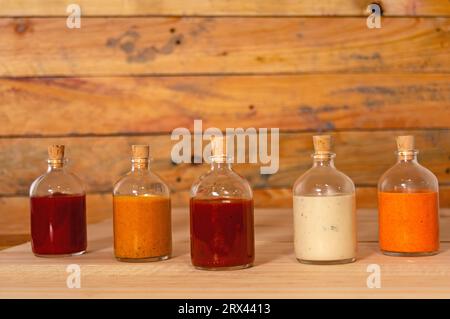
(127, 105)
(276, 273)
(100, 161)
(122, 46)
(224, 7)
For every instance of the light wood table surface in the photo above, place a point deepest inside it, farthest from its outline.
(276, 273)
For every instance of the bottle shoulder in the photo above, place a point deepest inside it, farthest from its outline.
(408, 176)
(54, 182)
(326, 181)
(141, 183)
(215, 184)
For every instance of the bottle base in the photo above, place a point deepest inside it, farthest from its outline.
(327, 262)
(60, 255)
(143, 260)
(408, 254)
(224, 268)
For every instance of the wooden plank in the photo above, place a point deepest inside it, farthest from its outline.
(100, 161)
(127, 105)
(124, 46)
(223, 7)
(276, 273)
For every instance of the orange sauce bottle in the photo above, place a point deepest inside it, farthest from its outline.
(408, 206)
(142, 214)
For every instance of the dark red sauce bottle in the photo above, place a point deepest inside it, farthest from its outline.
(221, 217)
(58, 210)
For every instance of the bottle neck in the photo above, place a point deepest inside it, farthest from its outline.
(407, 156)
(55, 165)
(323, 160)
(219, 163)
(140, 165)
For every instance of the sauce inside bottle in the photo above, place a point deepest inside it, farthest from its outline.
(324, 211)
(142, 227)
(58, 224)
(142, 212)
(58, 210)
(221, 216)
(222, 232)
(409, 222)
(408, 205)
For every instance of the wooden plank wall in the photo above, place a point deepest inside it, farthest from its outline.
(138, 69)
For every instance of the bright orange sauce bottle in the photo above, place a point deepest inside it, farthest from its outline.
(142, 227)
(408, 206)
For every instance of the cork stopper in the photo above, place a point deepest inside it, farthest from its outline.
(140, 151)
(56, 152)
(405, 143)
(322, 144)
(218, 144)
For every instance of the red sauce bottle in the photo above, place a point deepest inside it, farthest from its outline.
(222, 232)
(58, 210)
(221, 217)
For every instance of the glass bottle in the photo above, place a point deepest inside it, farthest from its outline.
(142, 213)
(324, 211)
(221, 216)
(58, 210)
(408, 205)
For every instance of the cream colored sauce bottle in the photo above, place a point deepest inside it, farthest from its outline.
(325, 228)
(324, 211)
